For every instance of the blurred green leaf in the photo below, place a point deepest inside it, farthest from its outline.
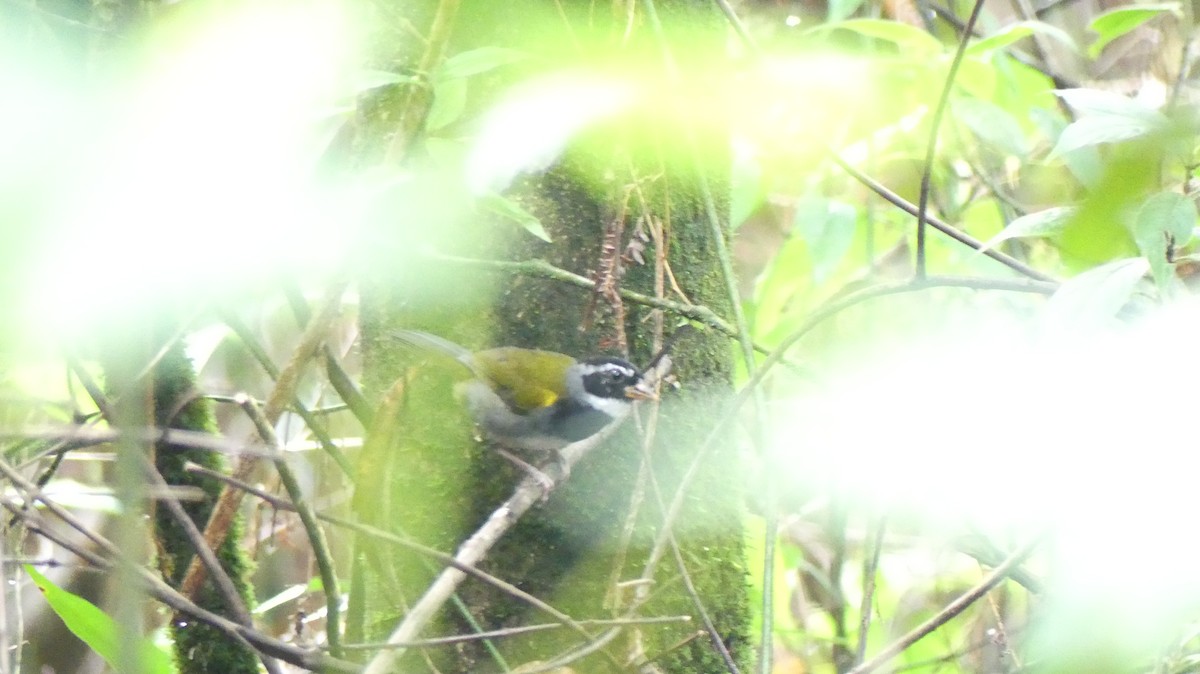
(1095, 296)
(1083, 163)
(1098, 102)
(446, 152)
(914, 42)
(827, 226)
(1092, 131)
(977, 77)
(96, 629)
(1099, 231)
(1165, 218)
(1117, 22)
(511, 210)
(477, 61)
(449, 102)
(1015, 32)
(1105, 117)
(1047, 222)
(993, 124)
(787, 274)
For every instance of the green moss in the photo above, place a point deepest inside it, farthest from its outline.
(198, 647)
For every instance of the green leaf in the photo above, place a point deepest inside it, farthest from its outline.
(1044, 223)
(912, 41)
(993, 124)
(1083, 163)
(96, 629)
(1105, 117)
(511, 210)
(449, 101)
(445, 152)
(1092, 131)
(1095, 296)
(1087, 102)
(828, 228)
(1165, 218)
(1117, 22)
(1018, 31)
(476, 61)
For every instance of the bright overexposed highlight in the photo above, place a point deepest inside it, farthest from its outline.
(1026, 431)
(527, 131)
(204, 176)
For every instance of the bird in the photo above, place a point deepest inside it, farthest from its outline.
(539, 401)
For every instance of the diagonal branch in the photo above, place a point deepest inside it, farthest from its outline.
(285, 390)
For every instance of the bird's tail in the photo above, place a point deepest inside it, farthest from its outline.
(432, 342)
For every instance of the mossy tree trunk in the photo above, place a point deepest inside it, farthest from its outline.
(633, 184)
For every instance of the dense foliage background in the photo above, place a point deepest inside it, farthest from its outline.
(939, 259)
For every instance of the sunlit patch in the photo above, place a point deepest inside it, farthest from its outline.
(527, 131)
(1015, 429)
(205, 178)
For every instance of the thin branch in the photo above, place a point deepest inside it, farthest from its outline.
(643, 595)
(537, 268)
(341, 382)
(527, 493)
(714, 636)
(316, 535)
(870, 571)
(228, 501)
(79, 437)
(410, 118)
(997, 576)
(740, 28)
(389, 537)
(517, 631)
(164, 593)
(224, 584)
(259, 353)
(954, 233)
(935, 127)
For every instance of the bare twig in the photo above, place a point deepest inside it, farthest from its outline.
(389, 537)
(164, 593)
(227, 503)
(528, 492)
(78, 437)
(952, 232)
(935, 127)
(542, 269)
(316, 535)
(517, 631)
(952, 609)
(870, 570)
(341, 382)
(259, 353)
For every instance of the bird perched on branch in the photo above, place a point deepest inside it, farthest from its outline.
(542, 401)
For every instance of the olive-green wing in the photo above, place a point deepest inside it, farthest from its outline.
(525, 378)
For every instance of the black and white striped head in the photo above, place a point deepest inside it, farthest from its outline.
(607, 384)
